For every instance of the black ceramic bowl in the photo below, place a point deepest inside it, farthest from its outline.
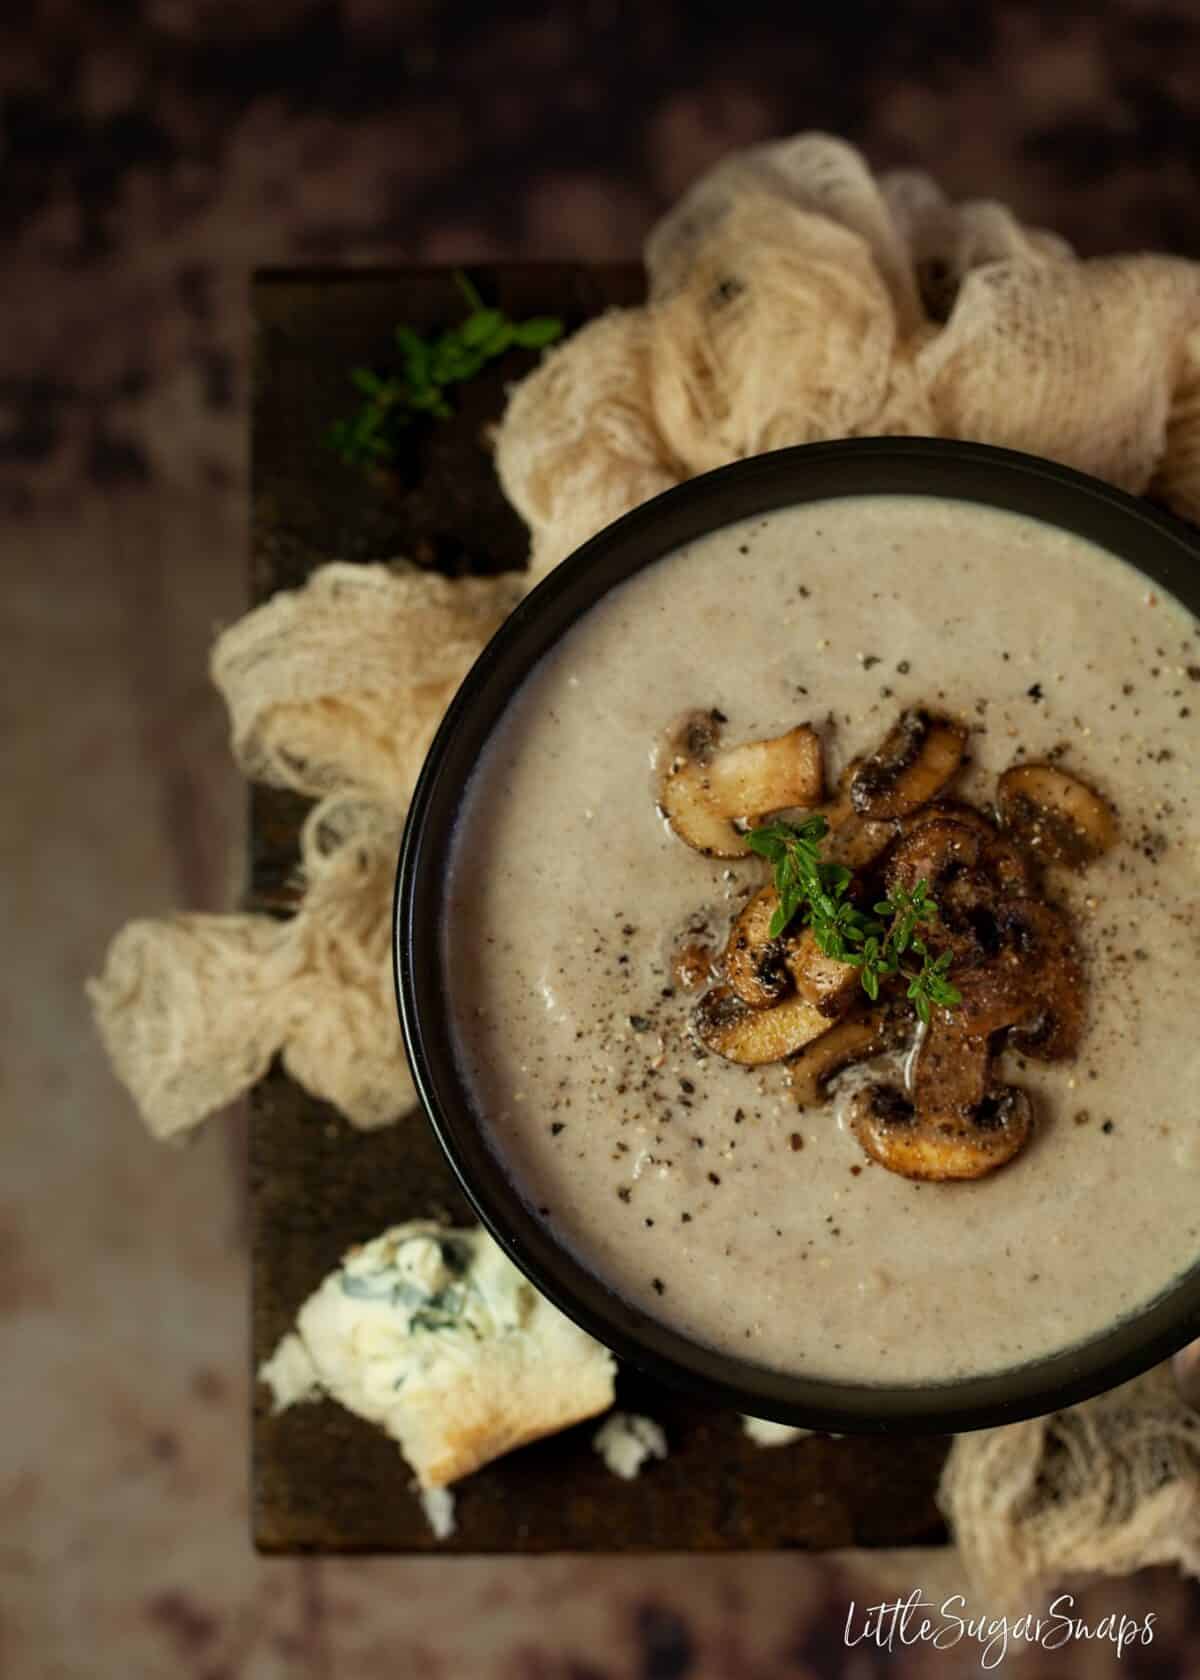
(1156, 544)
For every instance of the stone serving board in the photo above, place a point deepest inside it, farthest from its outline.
(323, 1481)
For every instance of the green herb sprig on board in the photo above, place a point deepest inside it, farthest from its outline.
(877, 943)
(429, 367)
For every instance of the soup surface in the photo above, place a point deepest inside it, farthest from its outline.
(694, 1187)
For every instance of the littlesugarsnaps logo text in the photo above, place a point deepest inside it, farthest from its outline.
(916, 1620)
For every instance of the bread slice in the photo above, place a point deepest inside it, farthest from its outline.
(435, 1336)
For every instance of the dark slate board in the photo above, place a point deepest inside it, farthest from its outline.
(323, 1480)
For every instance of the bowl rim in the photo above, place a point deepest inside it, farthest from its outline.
(1153, 541)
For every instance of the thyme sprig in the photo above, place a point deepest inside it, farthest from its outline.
(877, 943)
(429, 367)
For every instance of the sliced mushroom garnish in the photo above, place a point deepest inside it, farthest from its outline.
(1009, 868)
(1054, 815)
(683, 796)
(730, 1028)
(970, 871)
(996, 994)
(825, 981)
(854, 840)
(1015, 976)
(856, 1039)
(950, 1075)
(1015, 960)
(758, 777)
(941, 1148)
(705, 789)
(756, 966)
(762, 970)
(1041, 942)
(1015, 964)
(949, 810)
(914, 762)
(958, 1124)
(934, 852)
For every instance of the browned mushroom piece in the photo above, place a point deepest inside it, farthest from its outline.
(762, 969)
(831, 985)
(940, 1147)
(971, 872)
(958, 1123)
(950, 1075)
(994, 994)
(948, 810)
(979, 1124)
(756, 966)
(1008, 867)
(730, 1028)
(1054, 815)
(1015, 962)
(911, 765)
(935, 852)
(704, 789)
(855, 1039)
(854, 841)
(1040, 941)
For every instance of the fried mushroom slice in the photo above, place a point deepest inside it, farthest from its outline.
(855, 1039)
(1016, 963)
(958, 1124)
(762, 970)
(914, 762)
(1042, 946)
(1054, 815)
(994, 995)
(935, 852)
(704, 789)
(949, 810)
(958, 863)
(853, 840)
(940, 1148)
(1009, 868)
(829, 984)
(756, 966)
(951, 1072)
(730, 1028)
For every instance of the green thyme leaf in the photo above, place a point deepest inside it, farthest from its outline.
(537, 332)
(480, 325)
(810, 888)
(428, 368)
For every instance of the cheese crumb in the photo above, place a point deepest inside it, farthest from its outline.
(625, 1441)
(290, 1374)
(438, 1504)
(765, 1433)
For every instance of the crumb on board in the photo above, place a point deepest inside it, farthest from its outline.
(625, 1441)
(290, 1374)
(438, 1505)
(765, 1433)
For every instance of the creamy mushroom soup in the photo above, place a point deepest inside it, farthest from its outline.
(696, 1188)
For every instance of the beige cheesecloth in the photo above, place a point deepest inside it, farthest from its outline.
(792, 297)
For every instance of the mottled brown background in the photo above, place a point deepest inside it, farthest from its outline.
(151, 153)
